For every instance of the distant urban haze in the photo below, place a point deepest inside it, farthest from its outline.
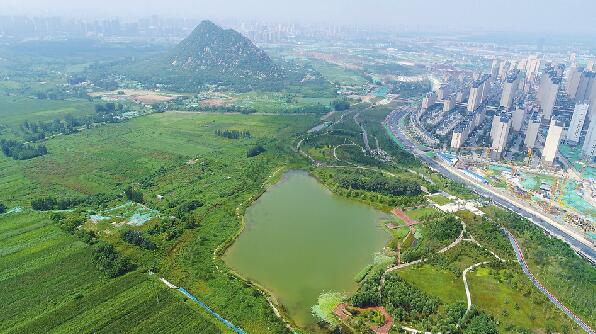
(562, 17)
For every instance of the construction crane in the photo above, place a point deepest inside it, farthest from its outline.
(557, 192)
(513, 168)
(553, 190)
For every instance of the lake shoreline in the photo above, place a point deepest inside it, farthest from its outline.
(279, 309)
(218, 253)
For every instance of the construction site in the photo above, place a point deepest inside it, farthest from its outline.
(567, 195)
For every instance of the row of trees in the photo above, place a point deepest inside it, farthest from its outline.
(108, 260)
(104, 113)
(21, 151)
(109, 108)
(233, 134)
(406, 302)
(340, 105)
(254, 151)
(52, 203)
(377, 183)
(133, 194)
(137, 238)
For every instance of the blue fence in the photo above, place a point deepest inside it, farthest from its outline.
(206, 308)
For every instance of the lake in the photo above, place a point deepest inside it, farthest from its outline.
(301, 240)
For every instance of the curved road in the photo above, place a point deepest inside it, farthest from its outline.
(553, 299)
(583, 249)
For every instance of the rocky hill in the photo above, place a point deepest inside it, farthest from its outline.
(211, 50)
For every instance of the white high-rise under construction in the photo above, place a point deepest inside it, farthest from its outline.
(502, 125)
(553, 139)
(577, 122)
(532, 66)
(589, 147)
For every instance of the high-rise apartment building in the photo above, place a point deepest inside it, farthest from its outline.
(517, 118)
(577, 122)
(532, 130)
(509, 90)
(553, 139)
(475, 96)
(589, 147)
(547, 92)
(501, 134)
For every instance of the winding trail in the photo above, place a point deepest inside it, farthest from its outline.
(537, 284)
(468, 295)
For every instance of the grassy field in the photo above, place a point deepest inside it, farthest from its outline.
(274, 102)
(419, 213)
(440, 199)
(109, 157)
(175, 155)
(508, 297)
(14, 110)
(338, 74)
(438, 283)
(54, 288)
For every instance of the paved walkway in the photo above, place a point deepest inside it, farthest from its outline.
(402, 215)
(468, 295)
(553, 299)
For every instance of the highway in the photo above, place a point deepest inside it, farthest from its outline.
(583, 249)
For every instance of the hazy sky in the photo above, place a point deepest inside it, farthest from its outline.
(562, 16)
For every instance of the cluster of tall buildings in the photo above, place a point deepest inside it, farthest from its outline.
(546, 103)
(61, 27)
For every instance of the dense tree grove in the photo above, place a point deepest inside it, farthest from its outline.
(405, 301)
(2, 208)
(254, 151)
(232, 134)
(108, 108)
(133, 194)
(51, 203)
(477, 322)
(340, 105)
(108, 260)
(378, 183)
(138, 239)
(170, 230)
(21, 151)
(368, 292)
(438, 232)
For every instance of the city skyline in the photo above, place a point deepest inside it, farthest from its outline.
(552, 16)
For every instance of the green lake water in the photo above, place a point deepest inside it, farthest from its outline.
(301, 240)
